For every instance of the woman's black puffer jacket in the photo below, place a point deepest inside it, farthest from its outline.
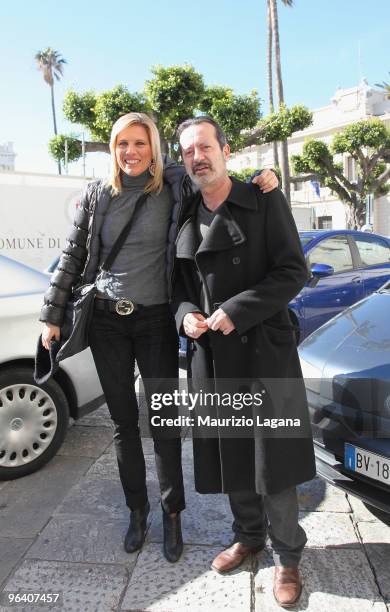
(79, 261)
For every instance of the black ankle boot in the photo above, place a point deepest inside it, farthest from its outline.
(173, 540)
(135, 535)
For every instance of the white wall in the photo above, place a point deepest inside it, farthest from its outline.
(36, 212)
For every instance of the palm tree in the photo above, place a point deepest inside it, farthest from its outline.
(386, 86)
(51, 64)
(279, 88)
(269, 77)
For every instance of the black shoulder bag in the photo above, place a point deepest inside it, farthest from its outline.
(78, 315)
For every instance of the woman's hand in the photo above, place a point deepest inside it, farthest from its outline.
(49, 332)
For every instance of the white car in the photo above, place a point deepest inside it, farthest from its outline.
(34, 418)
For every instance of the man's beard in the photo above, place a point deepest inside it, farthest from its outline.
(205, 179)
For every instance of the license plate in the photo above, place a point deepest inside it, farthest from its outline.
(364, 462)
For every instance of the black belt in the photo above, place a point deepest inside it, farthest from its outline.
(121, 307)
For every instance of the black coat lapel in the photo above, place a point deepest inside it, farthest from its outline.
(224, 232)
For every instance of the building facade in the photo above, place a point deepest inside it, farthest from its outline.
(347, 106)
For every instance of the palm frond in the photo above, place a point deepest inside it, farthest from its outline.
(50, 63)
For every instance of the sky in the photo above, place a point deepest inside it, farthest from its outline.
(325, 44)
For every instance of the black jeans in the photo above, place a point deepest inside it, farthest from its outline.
(148, 336)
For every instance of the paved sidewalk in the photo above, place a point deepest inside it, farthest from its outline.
(61, 529)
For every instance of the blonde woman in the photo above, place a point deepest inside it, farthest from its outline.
(132, 318)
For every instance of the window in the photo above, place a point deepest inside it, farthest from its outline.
(334, 252)
(298, 186)
(324, 222)
(373, 251)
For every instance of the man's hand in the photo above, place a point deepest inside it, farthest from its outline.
(267, 180)
(194, 324)
(219, 320)
(49, 332)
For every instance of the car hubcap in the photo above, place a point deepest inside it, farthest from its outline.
(28, 423)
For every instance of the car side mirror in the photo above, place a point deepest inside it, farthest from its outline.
(321, 270)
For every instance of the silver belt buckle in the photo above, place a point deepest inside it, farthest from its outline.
(124, 307)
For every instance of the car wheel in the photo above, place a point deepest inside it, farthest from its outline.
(33, 422)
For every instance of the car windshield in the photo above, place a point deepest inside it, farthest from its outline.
(18, 279)
(306, 238)
(385, 288)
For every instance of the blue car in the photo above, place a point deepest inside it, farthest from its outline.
(346, 366)
(345, 266)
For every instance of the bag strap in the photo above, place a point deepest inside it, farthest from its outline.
(116, 247)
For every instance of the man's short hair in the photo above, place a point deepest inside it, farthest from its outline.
(219, 133)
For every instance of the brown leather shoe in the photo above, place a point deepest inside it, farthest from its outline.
(232, 557)
(287, 586)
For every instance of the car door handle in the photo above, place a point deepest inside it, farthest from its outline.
(356, 279)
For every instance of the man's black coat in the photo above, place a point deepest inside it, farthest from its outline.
(252, 264)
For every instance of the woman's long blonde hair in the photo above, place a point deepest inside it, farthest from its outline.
(155, 184)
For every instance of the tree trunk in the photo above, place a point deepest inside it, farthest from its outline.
(353, 213)
(53, 109)
(269, 78)
(164, 146)
(285, 170)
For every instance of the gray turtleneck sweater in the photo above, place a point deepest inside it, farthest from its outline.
(139, 271)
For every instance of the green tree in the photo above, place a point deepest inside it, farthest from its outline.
(110, 105)
(51, 64)
(368, 143)
(235, 113)
(280, 126)
(174, 94)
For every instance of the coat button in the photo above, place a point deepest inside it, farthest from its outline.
(244, 339)
(236, 260)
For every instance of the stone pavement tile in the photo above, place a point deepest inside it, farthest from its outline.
(328, 529)
(376, 540)
(84, 587)
(95, 497)
(320, 496)
(82, 539)
(3, 483)
(376, 533)
(12, 549)
(27, 503)
(100, 493)
(97, 418)
(148, 446)
(86, 441)
(360, 511)
(105, 467)
(189, 584)
(187, 452)
(207, 520)
(339, 580)
(379, 556)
